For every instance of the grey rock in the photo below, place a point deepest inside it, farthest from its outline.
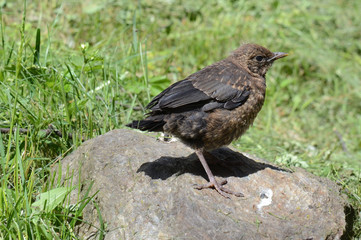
(146, 192)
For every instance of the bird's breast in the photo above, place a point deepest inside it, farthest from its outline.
(224, 126)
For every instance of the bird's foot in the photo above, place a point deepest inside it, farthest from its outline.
(219, 188)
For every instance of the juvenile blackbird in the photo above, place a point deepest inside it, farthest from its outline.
(214, 106)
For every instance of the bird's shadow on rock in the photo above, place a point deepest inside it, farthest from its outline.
(223, 162)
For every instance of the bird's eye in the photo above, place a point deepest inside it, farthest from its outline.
(259, 58)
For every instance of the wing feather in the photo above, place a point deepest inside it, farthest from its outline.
(221, 85)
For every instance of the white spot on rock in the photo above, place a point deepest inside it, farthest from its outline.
(265, 197)
(167, 138)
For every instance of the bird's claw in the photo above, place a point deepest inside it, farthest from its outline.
(218, 187)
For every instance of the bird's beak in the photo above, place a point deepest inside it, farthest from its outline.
(277, 55)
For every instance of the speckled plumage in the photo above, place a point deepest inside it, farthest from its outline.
(214, 106)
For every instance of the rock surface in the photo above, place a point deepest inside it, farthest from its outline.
(146, 192)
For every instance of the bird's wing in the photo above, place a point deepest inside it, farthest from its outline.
(221, 85)
(223, 81)
(179, 97)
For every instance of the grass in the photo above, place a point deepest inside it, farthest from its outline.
(88, 67)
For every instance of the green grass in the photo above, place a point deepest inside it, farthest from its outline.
(88, 67)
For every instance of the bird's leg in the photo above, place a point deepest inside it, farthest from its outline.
(211, 159)
(212, 181)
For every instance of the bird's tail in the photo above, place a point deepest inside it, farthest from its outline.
(149, 124)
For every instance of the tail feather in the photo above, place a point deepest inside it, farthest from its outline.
(147, 125)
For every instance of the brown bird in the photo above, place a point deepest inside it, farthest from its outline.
(214, 106)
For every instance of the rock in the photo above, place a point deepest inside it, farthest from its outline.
(146, 192)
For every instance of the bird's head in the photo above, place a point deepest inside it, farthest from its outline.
(256, 58)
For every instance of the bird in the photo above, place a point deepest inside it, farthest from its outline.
(213, 106)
